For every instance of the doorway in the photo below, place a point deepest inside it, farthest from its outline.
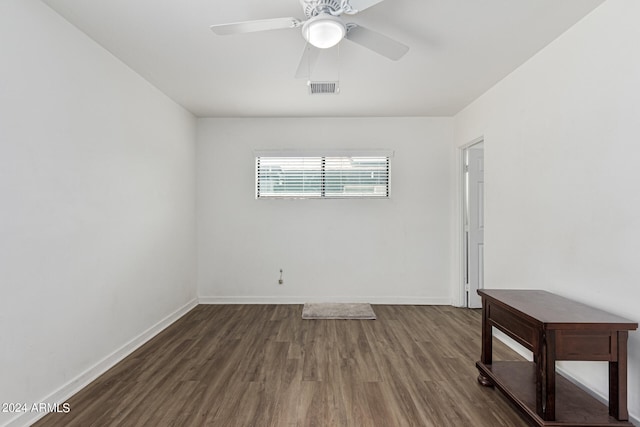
(473, 221)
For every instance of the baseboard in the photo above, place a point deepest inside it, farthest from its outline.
(527, 355)
(302, 300)
(82, 380)
(596, 395)
(513, 344)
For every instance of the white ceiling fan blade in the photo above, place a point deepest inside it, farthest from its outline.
(376, 42)
(360, 5)
(307, 62)
(253, 26)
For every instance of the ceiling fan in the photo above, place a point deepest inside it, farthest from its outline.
(323, 29)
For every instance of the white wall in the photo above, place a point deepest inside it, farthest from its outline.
(561, 171)
(379, 251)
(97, 209)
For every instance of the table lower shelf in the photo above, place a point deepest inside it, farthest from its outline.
(574, 407)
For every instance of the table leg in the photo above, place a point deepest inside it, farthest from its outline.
(487, 343)
(538, 358)
(618, 380)
(545, 357)
(550, 376)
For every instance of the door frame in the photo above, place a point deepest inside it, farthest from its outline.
(462, 299)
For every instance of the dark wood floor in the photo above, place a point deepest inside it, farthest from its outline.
(262, 365)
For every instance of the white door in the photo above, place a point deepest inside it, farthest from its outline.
(475, 224)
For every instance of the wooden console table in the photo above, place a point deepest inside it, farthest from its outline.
(555, 328)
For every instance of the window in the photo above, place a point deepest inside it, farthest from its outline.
(340, 176)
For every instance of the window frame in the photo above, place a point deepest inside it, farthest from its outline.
(323, 156)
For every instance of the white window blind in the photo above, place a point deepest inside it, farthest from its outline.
(322, 176)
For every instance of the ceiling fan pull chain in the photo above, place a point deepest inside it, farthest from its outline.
(339, 62)
(309, 47)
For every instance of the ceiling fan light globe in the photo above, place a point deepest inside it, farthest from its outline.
(324, 31)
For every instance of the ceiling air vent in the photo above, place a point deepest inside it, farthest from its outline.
(317, 88)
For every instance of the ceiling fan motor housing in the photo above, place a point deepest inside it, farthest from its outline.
(315, 7)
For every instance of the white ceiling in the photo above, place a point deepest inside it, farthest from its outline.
(458, 50)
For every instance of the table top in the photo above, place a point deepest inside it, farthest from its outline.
(556, 312)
